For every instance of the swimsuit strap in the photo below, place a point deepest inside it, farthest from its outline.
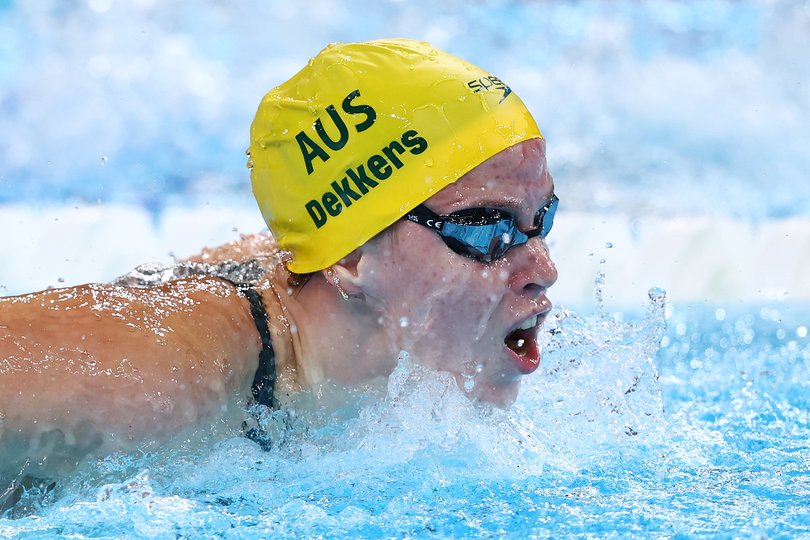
(265, 379)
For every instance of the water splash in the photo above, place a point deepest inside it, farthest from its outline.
(598, 287)
(598, 386)
(587, 445)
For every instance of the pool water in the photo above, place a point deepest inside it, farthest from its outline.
(678, 138)
(705, 434)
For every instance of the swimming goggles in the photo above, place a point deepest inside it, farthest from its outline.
(484, 234)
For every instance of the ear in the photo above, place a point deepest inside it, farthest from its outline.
(345, 274)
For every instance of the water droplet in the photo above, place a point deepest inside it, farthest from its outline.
(403, 322)
(657, 294)
(469, 384)
(801, 331)
(599, 282)
(103, 160)
(609, 245)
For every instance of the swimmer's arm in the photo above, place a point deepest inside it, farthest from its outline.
(95, 369)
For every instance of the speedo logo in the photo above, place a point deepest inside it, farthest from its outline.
(490, 83)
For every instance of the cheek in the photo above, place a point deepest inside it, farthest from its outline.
(471, 284)
(436, 289)
(479, 291)
(453, 296)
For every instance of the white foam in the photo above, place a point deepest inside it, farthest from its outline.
(694, 259)
(61, 245)
(657, 105)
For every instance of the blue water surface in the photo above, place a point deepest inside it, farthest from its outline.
(650, 108)
(683, 421)
(705, 436)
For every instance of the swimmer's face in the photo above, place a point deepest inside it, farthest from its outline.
(476, 320)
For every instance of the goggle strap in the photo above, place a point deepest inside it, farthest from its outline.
(531, 233)
(426, 217)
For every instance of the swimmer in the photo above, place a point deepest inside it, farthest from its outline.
(407, 196)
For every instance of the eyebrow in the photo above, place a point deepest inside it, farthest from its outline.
(513, 204)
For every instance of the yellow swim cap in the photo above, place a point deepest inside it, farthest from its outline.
(367, 131)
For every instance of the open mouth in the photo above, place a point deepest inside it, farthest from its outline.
(522, 343)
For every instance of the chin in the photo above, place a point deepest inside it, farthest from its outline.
(500, 394)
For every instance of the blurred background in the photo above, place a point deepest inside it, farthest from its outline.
(678, 133)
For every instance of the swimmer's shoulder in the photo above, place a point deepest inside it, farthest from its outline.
(254, 246)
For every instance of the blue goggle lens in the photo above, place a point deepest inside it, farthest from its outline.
(484, 234)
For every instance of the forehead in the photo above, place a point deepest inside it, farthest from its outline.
(516, 178)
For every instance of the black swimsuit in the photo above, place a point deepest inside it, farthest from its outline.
(265, 379)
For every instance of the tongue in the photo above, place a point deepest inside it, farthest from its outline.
(524, 344)
(518, 341)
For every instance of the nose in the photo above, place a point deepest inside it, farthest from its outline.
(532, 270)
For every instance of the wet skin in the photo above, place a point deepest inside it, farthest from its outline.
(101, 368)
(94, 369)
(453, 313)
